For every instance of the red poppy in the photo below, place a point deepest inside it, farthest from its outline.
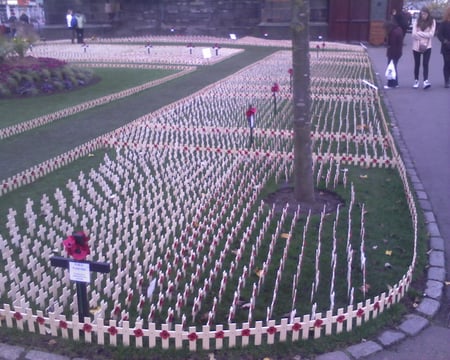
(376, 306)
(18, 316)
(271, 330)
(318, 323)
(164, 334)
(62, 324)
(193, 336)
(40, 320)
(360, 312)
(245, 332)
(87, 328)
(296, 327)
(340, 318)
(138, 332)
(220, 334)
(113, 330)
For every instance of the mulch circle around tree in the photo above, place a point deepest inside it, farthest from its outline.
(324, 199)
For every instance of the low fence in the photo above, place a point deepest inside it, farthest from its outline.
(207, 337)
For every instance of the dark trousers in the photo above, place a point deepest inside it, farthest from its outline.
(80, 36)
(426, 60)
(73, 33)
(446, 56)
(393, 82)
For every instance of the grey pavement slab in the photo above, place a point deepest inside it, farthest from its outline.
(10, 352)
(434, 289)
(437, 258)
(390, 337)
(437, 243)
(41, 355)
(413, 324)
(431, 344)
(335, 355)
(429, 307)
(436, 273)
(364, 349)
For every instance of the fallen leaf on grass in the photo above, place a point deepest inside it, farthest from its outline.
(388, 252)
(365, 288)
(258, 272)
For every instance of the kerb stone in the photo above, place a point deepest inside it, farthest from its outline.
(429, 307)
(413, 324)
(364, 349)
(335, 355)
(10, 352)
(390, 337)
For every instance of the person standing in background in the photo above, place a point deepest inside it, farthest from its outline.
(109, 11)
(81, 21)
(394, 42)
(70, 25)
(444, 38)
(24, 18)
(422, 33)
(12, 24)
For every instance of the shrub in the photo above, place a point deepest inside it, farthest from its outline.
(28, 76)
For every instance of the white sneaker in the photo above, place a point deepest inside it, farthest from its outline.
(426, 84)
(416, 84)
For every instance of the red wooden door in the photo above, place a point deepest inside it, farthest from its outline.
(349, 20)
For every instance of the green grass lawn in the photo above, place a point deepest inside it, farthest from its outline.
(110, 80)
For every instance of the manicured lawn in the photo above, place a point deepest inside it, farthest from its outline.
(14, 111)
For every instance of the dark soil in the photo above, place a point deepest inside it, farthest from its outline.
(324, 199)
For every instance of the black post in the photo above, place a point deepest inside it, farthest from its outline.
(274, 103)
(83, 305)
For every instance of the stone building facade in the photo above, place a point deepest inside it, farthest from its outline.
(206, 17)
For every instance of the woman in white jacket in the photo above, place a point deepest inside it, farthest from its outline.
(422, 35)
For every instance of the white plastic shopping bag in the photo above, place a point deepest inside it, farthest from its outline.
(390, 73)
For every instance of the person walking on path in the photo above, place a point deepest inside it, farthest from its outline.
(444, 38)
(394, 42)
(422, 33)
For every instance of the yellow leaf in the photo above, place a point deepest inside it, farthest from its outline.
(91, 155)
(388, 252)
(93, 311)
(285, 235)
(363, 176)
(258, 272)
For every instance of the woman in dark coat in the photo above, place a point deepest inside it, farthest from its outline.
(444, 37)
(394, 42)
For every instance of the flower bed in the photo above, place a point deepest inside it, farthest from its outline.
(30, 76)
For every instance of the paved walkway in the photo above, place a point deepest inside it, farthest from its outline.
(422, 128)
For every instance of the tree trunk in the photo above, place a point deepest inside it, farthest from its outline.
(303, 175)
